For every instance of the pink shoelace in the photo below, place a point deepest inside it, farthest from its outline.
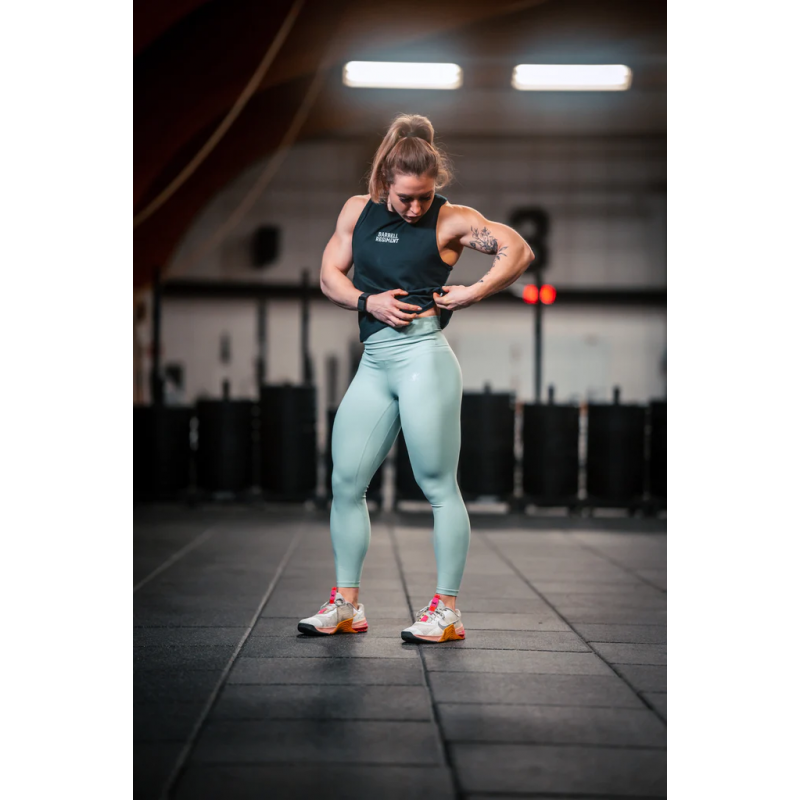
(431, 610)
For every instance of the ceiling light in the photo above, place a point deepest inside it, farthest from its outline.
(402, 75)
(571, 77)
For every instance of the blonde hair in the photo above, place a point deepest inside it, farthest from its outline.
(408, 149)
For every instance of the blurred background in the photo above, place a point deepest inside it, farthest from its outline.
(247, 144)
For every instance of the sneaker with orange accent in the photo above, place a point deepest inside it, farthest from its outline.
(336, 616)
(435, 623)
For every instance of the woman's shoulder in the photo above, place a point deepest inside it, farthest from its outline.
(453, 209)
(356, 203)
(352, 210)
(450, 212)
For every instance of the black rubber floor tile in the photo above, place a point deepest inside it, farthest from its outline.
(560, 769)
(182, 657)
(519, 640)
(313, 741)
(322, 572)
(632, 634)
(655, 654)
(552, 725)
(641, 600)
(164, 722)
(614, 616)
(624, 541)
(508, 587)
(658, 700)
(487, 566)
(568, 690)
(212, 579)
(214, 570)
(613, 577)
(305, 591)
(528, 558)
(303, 562)
(510, 661)
(540, 796)
(426, 573)
(169, 685)
(559, 567)
(631, 586)
(307, 780)
(351, 645)
(543, 621)
(197, 617)
(152, 766)
(323, 702)
(158, 637)
(151, 599)
(526, 555)
(644, 678)
(658, 577)
(353, 671)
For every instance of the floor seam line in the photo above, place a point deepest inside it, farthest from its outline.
(448, 763)
(639, 694)
(183, 756)
(616, 563)
(178, 555)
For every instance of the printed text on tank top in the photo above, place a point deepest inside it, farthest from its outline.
(391, 252)
(445, 253)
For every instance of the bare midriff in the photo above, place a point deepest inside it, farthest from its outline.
(430, 312)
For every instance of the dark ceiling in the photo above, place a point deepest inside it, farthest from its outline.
(192, 60)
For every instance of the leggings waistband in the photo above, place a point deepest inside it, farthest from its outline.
(392, 337)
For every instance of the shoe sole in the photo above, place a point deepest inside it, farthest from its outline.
(449, 635)
(343, 627)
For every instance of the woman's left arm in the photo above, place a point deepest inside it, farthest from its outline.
(512, 255)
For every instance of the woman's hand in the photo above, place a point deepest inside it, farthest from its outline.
(455, 297)
(387, 308)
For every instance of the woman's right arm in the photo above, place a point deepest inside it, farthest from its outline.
(336, 262)
(338, 257)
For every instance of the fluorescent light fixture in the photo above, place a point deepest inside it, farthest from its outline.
(571, 77)
(402, 75)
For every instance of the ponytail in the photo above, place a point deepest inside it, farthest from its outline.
(407, 149)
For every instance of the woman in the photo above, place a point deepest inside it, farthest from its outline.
(403, 239)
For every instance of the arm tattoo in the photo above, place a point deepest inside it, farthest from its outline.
(500, 254)
(483, 241)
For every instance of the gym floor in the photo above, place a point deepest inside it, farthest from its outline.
(559, 689)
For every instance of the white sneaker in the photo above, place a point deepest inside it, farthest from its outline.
(336, 616)
(435, 623)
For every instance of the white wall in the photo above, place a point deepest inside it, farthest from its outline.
(606, 198)
(607, 201)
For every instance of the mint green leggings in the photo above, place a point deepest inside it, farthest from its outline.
(408, 376)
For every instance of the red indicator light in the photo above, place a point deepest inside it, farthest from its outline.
(548, 294)
(530, 294)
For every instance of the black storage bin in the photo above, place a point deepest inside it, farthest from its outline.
(658, 452)
(550, 465)
(288, 441)
(615, 464)
(161, 451)
(486, 465)
(225, 445)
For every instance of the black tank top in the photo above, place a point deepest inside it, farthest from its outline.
(390, 253)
